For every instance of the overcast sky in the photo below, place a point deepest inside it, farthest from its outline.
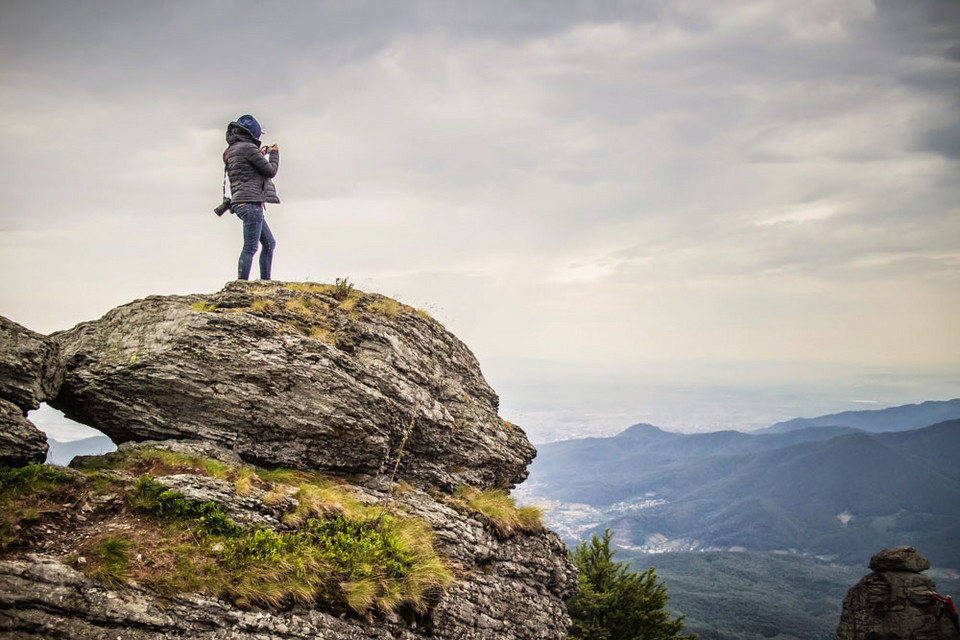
(694, 188)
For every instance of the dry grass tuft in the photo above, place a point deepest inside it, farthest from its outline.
(385, 307)
(499, 509)
(203, 305)
(299, 306)
(262, 304)
(310, 287)
(322, 334)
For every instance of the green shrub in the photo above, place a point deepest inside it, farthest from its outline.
(342, 289)
(151, 496)
(613, 603)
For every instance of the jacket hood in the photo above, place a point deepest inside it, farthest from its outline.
(237, 133)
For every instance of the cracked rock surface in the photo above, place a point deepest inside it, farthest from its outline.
(30, 373)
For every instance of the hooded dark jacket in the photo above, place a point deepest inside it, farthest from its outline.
(249, 170)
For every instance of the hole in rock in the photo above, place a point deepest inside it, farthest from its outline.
(68, 438)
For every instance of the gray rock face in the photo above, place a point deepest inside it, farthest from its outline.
(20, 441)
(30, 367)
(894, 602)
(30, 373)
(899, 559)
(288, 375)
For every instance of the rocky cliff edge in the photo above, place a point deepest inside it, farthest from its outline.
(296, 460)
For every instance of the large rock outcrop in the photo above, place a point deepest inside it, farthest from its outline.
(309, 377)
(288, 374)
(894, 602)
(30, 373)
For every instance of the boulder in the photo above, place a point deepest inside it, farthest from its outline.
(899, 559)
(30, 368)
(299, 375)
(20, 441)
(894, 602)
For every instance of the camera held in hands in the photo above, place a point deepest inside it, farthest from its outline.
(223, 207)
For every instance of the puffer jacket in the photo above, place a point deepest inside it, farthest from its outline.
(250, 172)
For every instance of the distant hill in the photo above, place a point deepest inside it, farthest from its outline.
(757, 596)
(902, 418)
(751, 596)
(62, 453)
(830, 491)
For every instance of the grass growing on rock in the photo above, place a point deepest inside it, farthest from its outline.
(334, 551)
(203, 305)
(27, 495)
(111, 557)
(260, 305)
(498, 508)
(161, 462)
(385, 306)
(348, 561)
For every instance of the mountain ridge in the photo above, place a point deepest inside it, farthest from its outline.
(62, 452)
(823, 490)
(900, 418)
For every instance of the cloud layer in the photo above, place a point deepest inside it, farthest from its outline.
(759, 181)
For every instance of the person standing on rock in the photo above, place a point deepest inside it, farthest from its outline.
(250, 170)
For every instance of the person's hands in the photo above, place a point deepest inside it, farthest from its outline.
(273, 148)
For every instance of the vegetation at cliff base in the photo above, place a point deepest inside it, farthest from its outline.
(124, 526)
(335, 560)
(614, 603)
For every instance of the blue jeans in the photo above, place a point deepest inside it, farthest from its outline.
(255, 230)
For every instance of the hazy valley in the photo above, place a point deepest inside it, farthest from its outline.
(760, 534)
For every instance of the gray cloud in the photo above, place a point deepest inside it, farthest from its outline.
(723, 179)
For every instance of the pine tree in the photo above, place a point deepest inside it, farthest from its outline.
(614, 603)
